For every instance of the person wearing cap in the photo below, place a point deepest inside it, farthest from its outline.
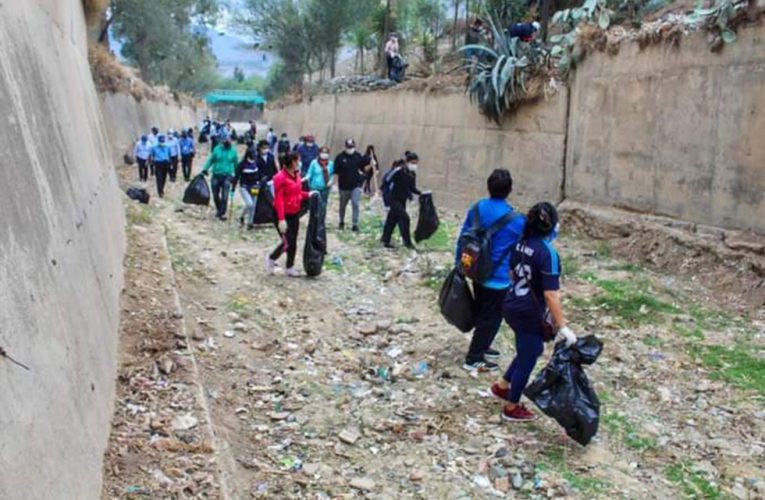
(160, 157)
(153, 141)
(350, 169)
(142, 153)
(525, 31)
(223, 162)
(404, 187)
(188, 151)
(308, 153)
(175, 153)
(266, 161)
(320, 175)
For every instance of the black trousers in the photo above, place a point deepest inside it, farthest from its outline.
(151, 167)
(220, 184)
(143, 169)
(487, 322)
(173, 168)
(397, 216)
(160, 169)
(186, 161)
(289, 240)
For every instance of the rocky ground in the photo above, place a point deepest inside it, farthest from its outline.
(237, 384)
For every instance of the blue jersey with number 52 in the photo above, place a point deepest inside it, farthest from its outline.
(536, 268)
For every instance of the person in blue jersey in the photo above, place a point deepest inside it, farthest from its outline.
(490, 294)
(160, 158)
(188, 151)
(533, 300)
(142, 153)
(175, 153)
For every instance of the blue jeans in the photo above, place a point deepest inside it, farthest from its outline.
(221, 185)
(528, 347)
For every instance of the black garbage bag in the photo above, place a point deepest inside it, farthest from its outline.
(138, 194)
(265, 213)
(563, 392)
(456, 301)
(197, 192)
(315, 238)
(202, 138)
(427, 221)
(128, 159)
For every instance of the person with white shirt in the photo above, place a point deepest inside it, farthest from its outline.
(142, 153)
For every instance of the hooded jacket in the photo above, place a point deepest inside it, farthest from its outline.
(288, 194)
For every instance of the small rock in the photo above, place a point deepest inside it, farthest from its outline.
(502, 484)
(240, 327)
(349, 436)
(384, 325)
(166, 365)
(362, 483)
(517, 481)
(497, 471)
(184, 422)
(278, 415)
(198, 334)
(367, 329)
(417, 475)
(229, 334)
(311, 469)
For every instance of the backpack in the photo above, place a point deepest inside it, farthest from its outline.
(475, 247)
(387, 185)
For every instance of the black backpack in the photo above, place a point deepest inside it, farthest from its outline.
(388, 185)
(475, 247)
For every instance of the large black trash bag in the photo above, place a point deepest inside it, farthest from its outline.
(138, 194)
(265, 213)
(427, 221)
(315, 238)
(128, 159)
(197, 192)
(563, 392)
(456, 301)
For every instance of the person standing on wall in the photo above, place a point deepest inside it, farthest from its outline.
(248, 176)
(223, 162)
(288, 198)
(402, 188)
(188, 151)
(504, 226)
(350, 167)
(266, 161)
(175, 153)
(532, 301)
(391, 52)
(160, 158)
(142, 154)
(308, 153)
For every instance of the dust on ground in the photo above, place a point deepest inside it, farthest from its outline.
(350, 384)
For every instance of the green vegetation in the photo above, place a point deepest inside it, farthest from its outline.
(585, 484)
(139, 215)
(621, 428)
(240, 305)
(693, 483)
(632, 301)
(571, 266)
(442, 241)
(739, 365)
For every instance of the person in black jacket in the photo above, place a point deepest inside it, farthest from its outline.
(266, 161)
(350, 168)
(248, 176)
(404, 184)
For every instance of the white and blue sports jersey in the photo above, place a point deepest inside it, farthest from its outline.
(536, 268)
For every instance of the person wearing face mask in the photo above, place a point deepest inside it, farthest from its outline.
(248, 176)
(403, 187)
(320, 174)
(534, 296)
(288, 198)
(350, 167)
(493, 214)
(142, 153)
(175, 153)
(188, 150)
(223, 162)
(266, 161)
(308, 153)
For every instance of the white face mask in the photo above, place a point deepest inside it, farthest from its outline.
(350, 151)
(309, 144)
(264, 152)
(412, 167)
(324, 156)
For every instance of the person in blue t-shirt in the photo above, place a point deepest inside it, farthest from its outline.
(160, 157)
(188, 151)
(490, 294)
(534, 297)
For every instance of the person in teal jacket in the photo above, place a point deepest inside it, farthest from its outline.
(319, 175)
(223, 162)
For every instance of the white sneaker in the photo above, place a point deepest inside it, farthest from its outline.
(291, 272)
(270, 265)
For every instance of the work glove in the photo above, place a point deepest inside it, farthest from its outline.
(282, 226)
(568, 335)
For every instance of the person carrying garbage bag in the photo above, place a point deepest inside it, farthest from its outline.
(288, 199)
(223, 162)
(248, 176)
(532, 306)
(402, 185)
(491, 229)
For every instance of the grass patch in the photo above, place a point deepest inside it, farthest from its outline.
(737, 365)
(710, 319)
(442, 241)
(604, 250)
(631, 301)
(585, 484)
(631, 267)
(571, 266)
(139, 215)
(693, 484)
(240, 305)
(686, 332)
(368, 236)
(652, 341)
(618, 425)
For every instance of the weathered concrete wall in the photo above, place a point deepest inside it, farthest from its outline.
(126, 119)
(457, 146)
(61, 248)
(673, 132)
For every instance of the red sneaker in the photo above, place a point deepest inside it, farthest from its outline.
(499, 392)
(518, 414)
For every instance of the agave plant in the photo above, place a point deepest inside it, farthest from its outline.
(497, 74)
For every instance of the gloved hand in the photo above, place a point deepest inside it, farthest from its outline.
(568, 335)
(282, 226)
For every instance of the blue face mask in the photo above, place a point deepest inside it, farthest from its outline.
(554, 234)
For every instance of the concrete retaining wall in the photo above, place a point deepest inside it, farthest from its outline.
(676, 132)
(61, 247)
(457, 146)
